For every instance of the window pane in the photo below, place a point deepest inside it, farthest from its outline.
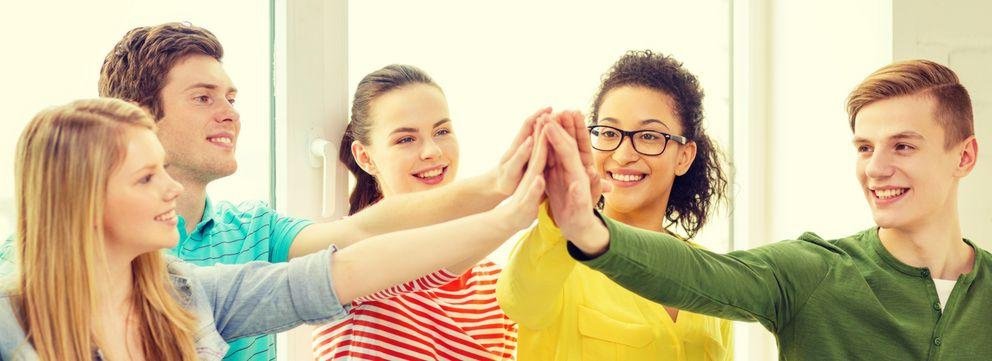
(58, 55)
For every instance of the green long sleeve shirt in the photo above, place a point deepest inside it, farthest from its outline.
(845, 299)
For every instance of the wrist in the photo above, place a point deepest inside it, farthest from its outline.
(491, 187)
(592, 238)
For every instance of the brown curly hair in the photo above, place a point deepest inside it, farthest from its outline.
(705, 183)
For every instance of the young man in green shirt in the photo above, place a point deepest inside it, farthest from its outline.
(911, 288)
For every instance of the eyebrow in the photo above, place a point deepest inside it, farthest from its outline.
(643, 122)
(414, 130)
(142, 169)
(210, 86)
(901, 135)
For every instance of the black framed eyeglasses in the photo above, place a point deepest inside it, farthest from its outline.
(646, 142)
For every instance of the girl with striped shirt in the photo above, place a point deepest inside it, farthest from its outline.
(400, 140)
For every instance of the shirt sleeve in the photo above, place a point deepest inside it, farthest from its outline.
(767, 284)
(530, 287)
(284, 231)
(8, 261)
(261, 298)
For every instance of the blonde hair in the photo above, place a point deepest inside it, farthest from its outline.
(924, 78)
(64, 159)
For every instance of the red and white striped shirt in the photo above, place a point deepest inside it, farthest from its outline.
(440, 316)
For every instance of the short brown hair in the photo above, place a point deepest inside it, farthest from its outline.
(923, 78)
(136, 68)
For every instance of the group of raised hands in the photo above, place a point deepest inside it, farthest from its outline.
(551, 160)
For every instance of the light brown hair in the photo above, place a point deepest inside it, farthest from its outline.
(64, 159)
(952, 109)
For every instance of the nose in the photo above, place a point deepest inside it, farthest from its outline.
(879, 166)
(625, 153)
(227, 113)
(430, 150)
(172, 189)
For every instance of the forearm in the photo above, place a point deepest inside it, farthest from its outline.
(401, 211)
(742, 285)
(393, 258)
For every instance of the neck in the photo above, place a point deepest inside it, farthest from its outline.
(936, 245)
(192, 200)
(649, 219)
(117, 280)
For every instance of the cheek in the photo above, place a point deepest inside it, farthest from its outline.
(599, 161)
(395, 163)
(450, 150)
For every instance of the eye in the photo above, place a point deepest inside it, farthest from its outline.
(405, 140)
(609, 133)
(203, 99)
(146, 179)
(864, 148)
(231, 100)
(904, 147)
(442, 131)
(649, 136)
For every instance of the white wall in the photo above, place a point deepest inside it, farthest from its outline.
(957, 34)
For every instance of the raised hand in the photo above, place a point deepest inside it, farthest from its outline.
(508, 173)
(520, 209)
(574, 125)
(569, 192)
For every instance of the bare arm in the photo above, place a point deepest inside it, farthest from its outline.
(405, 211)
(394, 258)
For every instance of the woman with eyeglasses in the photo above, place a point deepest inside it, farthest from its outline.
(649, 145)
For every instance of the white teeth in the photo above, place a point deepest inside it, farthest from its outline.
(166, 216)
(430, 173)
(889, 193)
(224, 140)
(627, 177)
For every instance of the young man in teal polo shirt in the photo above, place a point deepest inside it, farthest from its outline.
(911, 288)
(174, 70)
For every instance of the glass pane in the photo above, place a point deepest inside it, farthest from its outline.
(60, 61)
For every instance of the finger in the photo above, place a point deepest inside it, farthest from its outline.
(515, 165)
(565, 120)
(565, 149)
(535, 192)
(582, 139)
(539, 155)
(526, 130)
(605, 186)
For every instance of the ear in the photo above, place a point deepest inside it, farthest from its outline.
(362, 157)
(687, 154)
(967, 156)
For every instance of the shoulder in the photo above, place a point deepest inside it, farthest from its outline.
(242, 212)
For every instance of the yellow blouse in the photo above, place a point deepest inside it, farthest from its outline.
(567, 311)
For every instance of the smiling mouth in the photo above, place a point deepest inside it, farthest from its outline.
(431, 173)
(223, 141)
(886, 194)
(167, 216)
(626, 178)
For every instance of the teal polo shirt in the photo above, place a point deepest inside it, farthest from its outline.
(233, 234)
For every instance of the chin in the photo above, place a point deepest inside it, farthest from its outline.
(889, 221)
